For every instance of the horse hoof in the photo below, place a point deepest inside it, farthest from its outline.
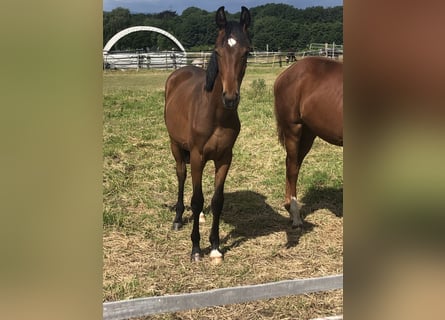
(216, 261)
(216, 257)
(196, 257)
(202, 218)
(176, 226)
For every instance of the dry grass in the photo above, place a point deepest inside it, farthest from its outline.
(144, 257)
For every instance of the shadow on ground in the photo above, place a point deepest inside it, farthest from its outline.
(251, 216)
(323, 198)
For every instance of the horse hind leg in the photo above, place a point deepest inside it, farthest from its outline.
(306, 142)
(294, 212)
(186, 156)
(297, 147)
(202, 218)
(291, 140)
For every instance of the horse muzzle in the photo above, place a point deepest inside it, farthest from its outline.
(230, 101)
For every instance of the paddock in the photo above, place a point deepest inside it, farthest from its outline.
(143, 258)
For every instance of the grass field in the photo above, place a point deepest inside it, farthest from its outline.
(143, 257)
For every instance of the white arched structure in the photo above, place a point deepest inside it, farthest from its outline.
(127, 31)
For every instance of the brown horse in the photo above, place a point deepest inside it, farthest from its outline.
(308, 103)
(202, 121)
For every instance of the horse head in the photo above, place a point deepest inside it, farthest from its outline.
(229, 58)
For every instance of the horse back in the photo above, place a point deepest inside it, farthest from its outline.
(308, 75)
(321, 101)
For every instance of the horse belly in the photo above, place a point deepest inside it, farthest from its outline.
(334, 137)
(325, 120)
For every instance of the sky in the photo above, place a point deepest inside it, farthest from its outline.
(156, 6)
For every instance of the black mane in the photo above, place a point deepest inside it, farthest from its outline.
(212, 72)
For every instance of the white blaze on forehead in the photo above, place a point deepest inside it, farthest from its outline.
(231, 42)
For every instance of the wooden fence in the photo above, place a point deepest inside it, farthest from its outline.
(141, 307)
(177, 59)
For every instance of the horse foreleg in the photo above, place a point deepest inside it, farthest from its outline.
(197, 203)
(181, 173)
(221, 170)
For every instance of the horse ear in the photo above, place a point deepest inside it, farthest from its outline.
(212, 72)
(221, 18)
(245, 17)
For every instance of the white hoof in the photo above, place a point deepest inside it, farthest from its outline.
(202, 218)
(216, 257)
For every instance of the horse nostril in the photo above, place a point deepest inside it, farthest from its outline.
(233, 96)
(230, 100)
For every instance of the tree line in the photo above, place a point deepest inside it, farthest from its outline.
(274, 26)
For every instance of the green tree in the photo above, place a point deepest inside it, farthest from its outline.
(115, 21)
(280, 26)
(197, 27)
(276, 33)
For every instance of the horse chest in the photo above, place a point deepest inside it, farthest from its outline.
(220, 142)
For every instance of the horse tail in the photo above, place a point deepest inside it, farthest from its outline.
(280, 132)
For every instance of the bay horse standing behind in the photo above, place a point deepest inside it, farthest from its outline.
(202, 121)
(308, 103)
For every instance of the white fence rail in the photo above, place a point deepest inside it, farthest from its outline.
(177, 59)
(329, 50)
(141, 307)
(143, 60)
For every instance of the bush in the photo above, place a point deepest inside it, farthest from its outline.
(257, 88)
